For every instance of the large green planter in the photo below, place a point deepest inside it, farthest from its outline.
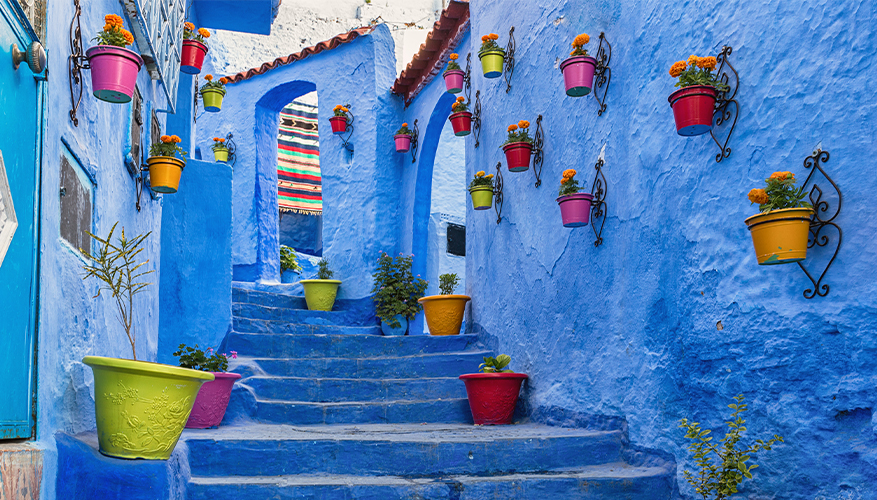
(492, 62)
(141, 407)
(212, 99)
(320, 294)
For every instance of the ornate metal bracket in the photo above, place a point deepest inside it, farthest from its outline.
(76, 63)
(497, 193)
(346, 140)
(598, 203)
(232, 147)
(415, 140)
(141, 181)
(510, 60)
(817, 223)
(538, 152)
(603, 74)
(467, 78)
(476, 118)
(723, 111)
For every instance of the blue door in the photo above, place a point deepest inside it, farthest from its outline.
(20, 114)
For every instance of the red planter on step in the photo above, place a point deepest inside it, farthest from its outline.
(492, 396)
(454, 80)
(693, 109)
(192, 57)
(575, 209)
(462, 123)
(517, 155)
(339, 124)
(212, 401)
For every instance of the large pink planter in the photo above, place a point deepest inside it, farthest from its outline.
(578, 75)
(454, 80)
(212, 401)
(113, 72)
(575, 209)
(403, 143)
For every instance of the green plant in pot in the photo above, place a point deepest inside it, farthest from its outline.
(444, 312)
(481, 190)
(320, 293)
(289, 265)
(212, 400)
(396, 293)
(140, 407)
(493, 393)
(724, 464)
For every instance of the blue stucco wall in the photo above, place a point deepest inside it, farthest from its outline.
(368, 181)
(195, 287)
(629, 329)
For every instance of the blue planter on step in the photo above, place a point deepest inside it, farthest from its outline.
(403, 327)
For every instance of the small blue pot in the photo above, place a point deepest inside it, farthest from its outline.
(403, 327)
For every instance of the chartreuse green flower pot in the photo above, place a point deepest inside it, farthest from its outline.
(212, 99)
(141, 407)
(492, 62)
(320, 294)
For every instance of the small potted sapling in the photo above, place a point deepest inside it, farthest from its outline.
(694, 103)
(289, 266)
(781, 230)
(444, 313)
(212, 400)
(493, 393)
(396, 292)
(320, 293)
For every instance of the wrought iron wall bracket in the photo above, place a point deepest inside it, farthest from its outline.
(497, 193)
(467, 78)
(232, 148)
(598, 202)
(76, 63)
(727, 106)
(818, 222)
(538, 152)
(603, 73)
(141, 182)
(415, 140)
(476, 118)
(346, 140)
(509, 60)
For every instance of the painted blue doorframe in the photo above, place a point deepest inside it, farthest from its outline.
(21, 121)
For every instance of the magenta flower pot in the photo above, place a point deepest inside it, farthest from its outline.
(462, 123)
(575, 209)
(454, 80)
(517, 155)
(693, 109)
(403, 143)
(113, 72)
(578, 75)
(212, 401)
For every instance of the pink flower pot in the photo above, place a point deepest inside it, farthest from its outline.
(192, 57)
(517, 155)
(212, 401)
(492, 396)
(693, 109)
(403, 143)
(454, 80)
(578, 75)
(462, 123)
(339, 124)
(113, 72)
(575, 209)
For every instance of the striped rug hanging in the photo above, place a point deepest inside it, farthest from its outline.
(299, 183)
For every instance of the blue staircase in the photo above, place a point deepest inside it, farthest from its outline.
(328, 408)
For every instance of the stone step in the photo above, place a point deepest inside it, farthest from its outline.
(355, 412)
(614, 481)
(450, 364)
(304, 316)
(346, 346)
(278, 327)
(337, 390)
(398, 450)
(285, 300)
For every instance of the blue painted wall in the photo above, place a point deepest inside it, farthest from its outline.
(629, 329)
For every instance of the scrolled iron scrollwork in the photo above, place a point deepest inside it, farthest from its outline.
(509, 60)
(76, 63)
(476, 118)
(598, 202)
(497, 193)
(818, 222)
(724, 111)
(603, 73)
(538, 151)
(415, 141)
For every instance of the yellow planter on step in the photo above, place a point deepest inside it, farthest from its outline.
(444, 313)
(320, 294)
(780, 236)
(165, 173)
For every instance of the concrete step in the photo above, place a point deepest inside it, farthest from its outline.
(398, 450)
(304, 316)
(355, 412)
(423, 365)
(614, 481)
(336, 390)
(346, 346)
(279, 327)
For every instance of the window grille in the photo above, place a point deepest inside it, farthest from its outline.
(35, 10)
(158, 29)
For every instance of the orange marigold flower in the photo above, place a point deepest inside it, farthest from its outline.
(758, 196)
(344, 109)
(189, 26)
(493, 36)
(109, 27)
(208, 77)
(513, 127)
(480, 173)
(338, 107)
(677, 68)
(581, 40)
(203, 32)
(707, 63)
(176, 139)
(454, 57)
(113, 20)
(485, 38)
(216, 139)
(524, 124)
(488, 176)
(569, 172)
(692, 60)
(223, 80)
(222, 139)
(129, 38)
(404, 124)
(165, 138)
(460, 98)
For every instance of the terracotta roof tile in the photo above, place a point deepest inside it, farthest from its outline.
(298, 56)
(440, 42)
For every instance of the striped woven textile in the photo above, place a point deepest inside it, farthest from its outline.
(299, 183)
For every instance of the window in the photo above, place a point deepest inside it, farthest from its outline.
(76, 203)
(134, 152)
(457, 239)
(158, 28)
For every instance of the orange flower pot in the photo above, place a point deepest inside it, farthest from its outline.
(165, 173)
(780, 236)
(444, 313)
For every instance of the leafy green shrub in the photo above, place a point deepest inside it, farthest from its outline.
(324, 273)
(289, 260)
(496, 365)
(396, 289)
(206, 361)
(447, 283)
(780, 193)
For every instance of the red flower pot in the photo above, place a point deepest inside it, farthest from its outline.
(403, 143)
(462, 123)
(212, 401)
(454, 80)
(693, 109)
(339, 124)
(575, 209)
(492, 396)
(517, 155)
(192, 57)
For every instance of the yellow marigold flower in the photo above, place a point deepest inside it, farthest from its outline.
(513, 127)
(479, 173)
(677, 68)
(493, 36)
(208, 77)
(129, 38)
(189, 26)
(454, 57)
(581, 40)
(203, 32)
(176, 139)
(165, 138)
(524, 124)
(569, 172)
(692, 60)
(758, 196)
(488, 176)
(223, 80)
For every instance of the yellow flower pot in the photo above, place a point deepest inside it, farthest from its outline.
(780, 236)
(320, 294)
(444, 313)
(220, 154)
(164, 173)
